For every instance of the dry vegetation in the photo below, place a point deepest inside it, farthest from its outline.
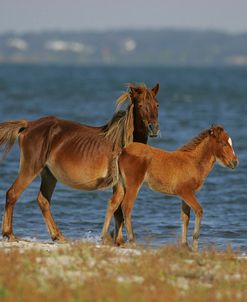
(81, 272)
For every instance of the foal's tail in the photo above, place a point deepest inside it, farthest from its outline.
(9, 131)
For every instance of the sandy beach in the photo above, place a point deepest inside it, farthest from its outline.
(84, 271)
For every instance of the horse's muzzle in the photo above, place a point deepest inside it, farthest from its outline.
(233, 164)
(153, 130)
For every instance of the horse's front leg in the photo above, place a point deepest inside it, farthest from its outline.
(114, 202)
(21, 183)
(185, 218)
(118, 227)
(191, 201)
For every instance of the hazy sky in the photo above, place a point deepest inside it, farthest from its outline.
(34, 15)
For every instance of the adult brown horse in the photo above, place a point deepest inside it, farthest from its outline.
(181, 172)
(80, 156)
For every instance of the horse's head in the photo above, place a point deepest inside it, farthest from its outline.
(146, 107)
(223, 149)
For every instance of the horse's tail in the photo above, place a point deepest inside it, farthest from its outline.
(9, 131)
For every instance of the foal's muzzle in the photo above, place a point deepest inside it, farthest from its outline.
(153, 130)
(233, 164)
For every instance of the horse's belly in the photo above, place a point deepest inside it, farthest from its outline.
(82, 177)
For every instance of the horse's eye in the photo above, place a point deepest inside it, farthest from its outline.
(140, 105)
(158, 105)
(224, 144)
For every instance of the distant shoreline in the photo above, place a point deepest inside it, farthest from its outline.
(161, 47)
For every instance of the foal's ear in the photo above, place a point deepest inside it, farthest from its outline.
(215, 130)
(156, 89)
(211, 132)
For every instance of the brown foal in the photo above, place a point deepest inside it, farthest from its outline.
(181, 172)
(80, 156)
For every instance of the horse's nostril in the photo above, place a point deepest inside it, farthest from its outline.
(153, 130)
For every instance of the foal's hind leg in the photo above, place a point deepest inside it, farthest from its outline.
(48, 183)
(23, 180)
(191, 201)
(185, 217)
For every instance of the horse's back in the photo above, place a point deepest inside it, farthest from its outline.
(77, 155)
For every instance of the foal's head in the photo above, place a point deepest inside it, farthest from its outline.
(222, 146)
(146, 107)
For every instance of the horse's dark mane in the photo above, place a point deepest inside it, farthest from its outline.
(119, 130)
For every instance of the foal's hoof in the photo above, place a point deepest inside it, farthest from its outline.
(128, 244)
(60, 239)
(131, 244)
(185, 247)
(107, 240)
(10, 238)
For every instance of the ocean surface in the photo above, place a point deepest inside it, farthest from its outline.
(191, 99)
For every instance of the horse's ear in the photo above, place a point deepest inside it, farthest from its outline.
(134, 90)
(156, 89)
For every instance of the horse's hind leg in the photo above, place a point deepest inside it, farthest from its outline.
(48, 183)
(185, 217)
(23, 180)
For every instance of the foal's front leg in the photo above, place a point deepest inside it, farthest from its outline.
(127, 206)
(191, 201)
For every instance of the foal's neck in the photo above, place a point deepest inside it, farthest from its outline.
(204, 156)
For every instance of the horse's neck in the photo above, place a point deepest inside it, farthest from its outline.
(140, 131)
(140, 137)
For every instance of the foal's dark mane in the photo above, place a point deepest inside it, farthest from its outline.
(192, 144)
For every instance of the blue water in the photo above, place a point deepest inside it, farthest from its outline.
(191, 99)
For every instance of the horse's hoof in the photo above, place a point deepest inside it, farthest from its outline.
(120, 242)
(112, 234)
